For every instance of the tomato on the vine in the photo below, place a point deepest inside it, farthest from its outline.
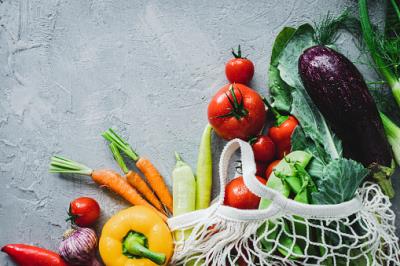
(239, 69)
(263, 148)
(281, 134)
(260, 169)
(236, 111)
(84, 211)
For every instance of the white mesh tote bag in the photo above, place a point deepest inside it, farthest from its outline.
(357, 232)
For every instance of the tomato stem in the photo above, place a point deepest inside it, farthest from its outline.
(238, 111)
(253, 140)
(71, 216)
(278, 117)
(238, 54)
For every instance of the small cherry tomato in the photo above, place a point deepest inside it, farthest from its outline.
(237, 195)
(239, 69)
(261, 167)
(84, 211)
(270, 168)
(242, 262)
(263, 148)
(281, 135)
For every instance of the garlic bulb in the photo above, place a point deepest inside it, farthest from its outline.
(78, 246)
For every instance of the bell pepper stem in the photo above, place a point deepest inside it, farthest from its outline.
(135, 245)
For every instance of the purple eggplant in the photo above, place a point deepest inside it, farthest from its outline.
(339, 91)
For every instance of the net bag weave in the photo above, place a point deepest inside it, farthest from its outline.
(357, 232)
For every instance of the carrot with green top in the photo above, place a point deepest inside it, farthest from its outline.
(103, 177)
(135, 180)
(152, 175)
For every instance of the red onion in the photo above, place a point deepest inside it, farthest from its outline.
(79, 246)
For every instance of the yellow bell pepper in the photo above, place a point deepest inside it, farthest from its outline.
(136, 236)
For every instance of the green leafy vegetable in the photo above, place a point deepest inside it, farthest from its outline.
(311, 120)
(279, 90)
(301, 143)
(313, 135)
(339, 181)
(302, 39)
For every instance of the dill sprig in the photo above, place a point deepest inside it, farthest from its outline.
(326, 31)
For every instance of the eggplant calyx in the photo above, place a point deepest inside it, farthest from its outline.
(381, 174)
(238, 111)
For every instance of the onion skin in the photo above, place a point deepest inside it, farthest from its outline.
(78, 246)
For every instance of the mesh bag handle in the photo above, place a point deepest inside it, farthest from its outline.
(288, 205)
(279, 205)
(287, 232)
(279, 202)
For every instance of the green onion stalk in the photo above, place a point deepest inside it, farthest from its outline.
(393, 135)
(385, 52)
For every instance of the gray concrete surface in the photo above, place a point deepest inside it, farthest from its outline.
(71, 69)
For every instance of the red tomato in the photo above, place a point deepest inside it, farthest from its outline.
(270, 168)
(242, 262)
(261, 167)
(239, 69)
(263, 148)
(84, 211)
(281, 135)
(236, 111)
(237, 195)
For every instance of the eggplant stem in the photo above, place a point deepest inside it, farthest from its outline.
(381, 174)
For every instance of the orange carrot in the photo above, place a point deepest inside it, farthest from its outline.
(143, 164)
(156, 181)
(108, 178)
(137, 182)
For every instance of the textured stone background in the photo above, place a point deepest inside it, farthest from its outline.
(71, 69)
